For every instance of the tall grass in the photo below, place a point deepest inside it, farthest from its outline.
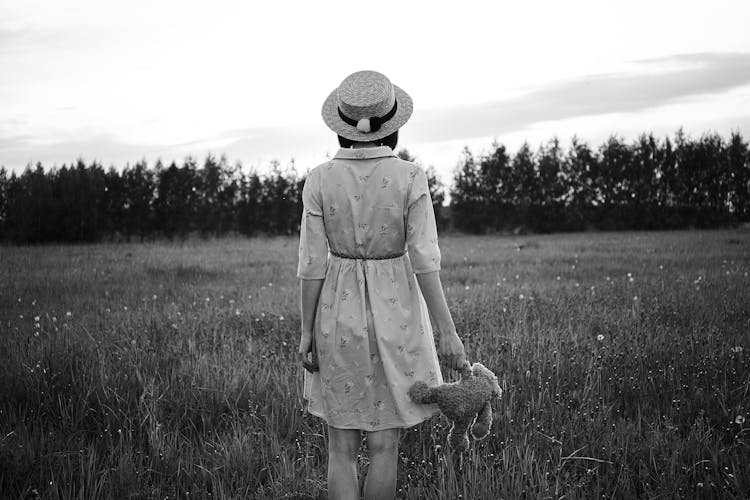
(168, 370)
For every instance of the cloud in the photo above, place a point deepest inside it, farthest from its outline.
(655, 83)
(251, 146)
(694, 84)
(19, 151)
(15, 38)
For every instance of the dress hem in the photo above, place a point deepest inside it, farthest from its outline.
(404, 425)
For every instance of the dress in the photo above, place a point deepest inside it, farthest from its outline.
(372, 328)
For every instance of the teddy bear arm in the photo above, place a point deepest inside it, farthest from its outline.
(421, 393)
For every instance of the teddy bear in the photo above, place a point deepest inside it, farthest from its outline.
(462, 401)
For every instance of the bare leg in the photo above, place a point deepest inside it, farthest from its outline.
(343, 445)
(382, 448)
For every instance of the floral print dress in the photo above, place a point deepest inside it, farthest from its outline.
(362, 210)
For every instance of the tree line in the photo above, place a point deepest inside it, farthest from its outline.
(648, 183)
(83, 203)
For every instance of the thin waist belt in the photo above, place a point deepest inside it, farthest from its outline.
(354, 257)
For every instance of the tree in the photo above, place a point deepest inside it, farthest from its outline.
(496, 187)
(466, 198)
(249, 215)
(525, 181)
(140, 191)
(738, 160)
(177, 198)
(113, 202)
(4, 189)
(549, 159)
(582, 170)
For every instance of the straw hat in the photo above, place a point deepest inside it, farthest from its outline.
(366, 107)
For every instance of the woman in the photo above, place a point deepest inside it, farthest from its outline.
(369, 263)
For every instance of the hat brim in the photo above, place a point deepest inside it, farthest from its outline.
(331, 118)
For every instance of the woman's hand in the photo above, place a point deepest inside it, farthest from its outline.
(306, 352)
(451, 351)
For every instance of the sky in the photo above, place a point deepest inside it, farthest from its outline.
(117, 82)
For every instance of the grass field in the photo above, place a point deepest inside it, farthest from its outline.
(167, 370)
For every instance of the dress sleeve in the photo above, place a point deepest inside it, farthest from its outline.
(313, 244)
(421, 231)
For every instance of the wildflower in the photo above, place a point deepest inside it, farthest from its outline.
(154, 297)
(520, 296)
(36, 318)
(498, 283)
(635, 297)
(68, 314)
(600, 337)
(281, 318)
(466, 287)
(739, 420)
(558, 278)
(736, 349)
(236, 312)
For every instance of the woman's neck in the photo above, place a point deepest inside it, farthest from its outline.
(365, 145)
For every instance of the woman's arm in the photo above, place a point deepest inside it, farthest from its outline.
(451, 349)
(308, 304)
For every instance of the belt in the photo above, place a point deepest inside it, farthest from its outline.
(355, 257)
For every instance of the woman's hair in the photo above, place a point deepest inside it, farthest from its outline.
(390, 141)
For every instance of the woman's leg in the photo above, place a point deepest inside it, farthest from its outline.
(382, 450)
(343, 445)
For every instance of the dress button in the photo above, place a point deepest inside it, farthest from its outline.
(359, 155)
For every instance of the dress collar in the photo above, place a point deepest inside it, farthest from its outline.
(364, 153)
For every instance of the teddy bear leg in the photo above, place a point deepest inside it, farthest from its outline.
(457, 437)
(481, 427)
